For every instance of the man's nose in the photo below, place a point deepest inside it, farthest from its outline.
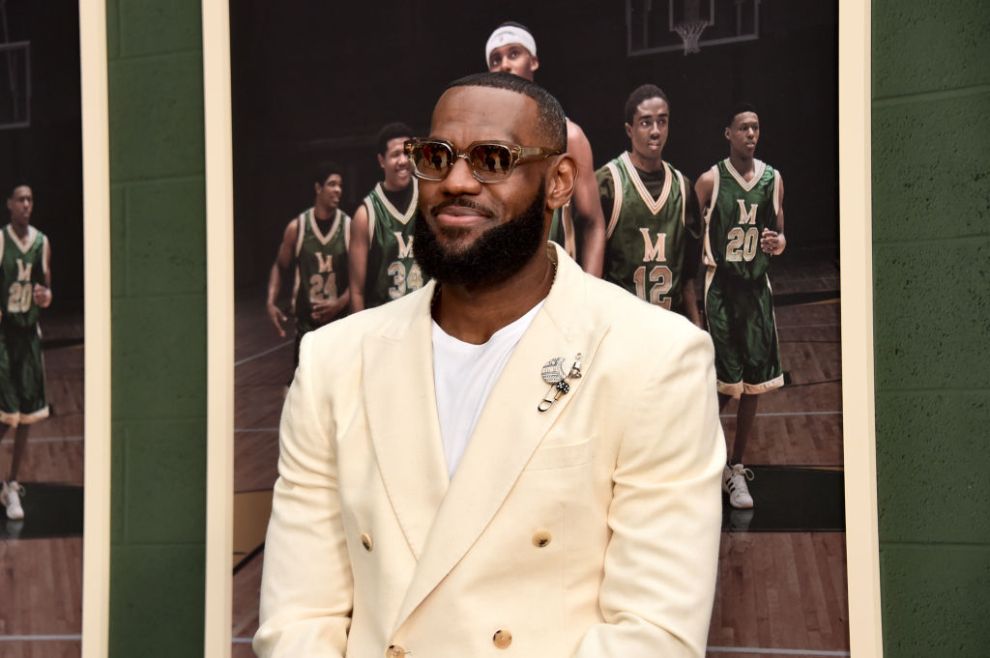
(460, 180)
(505, 66)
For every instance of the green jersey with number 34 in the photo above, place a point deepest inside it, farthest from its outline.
(738, 212)
(23, 267)
(391, 271)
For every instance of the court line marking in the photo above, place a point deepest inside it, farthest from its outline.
(777, 414)
(45, 439)
(262, 353)
(778, 652)
(41, 638)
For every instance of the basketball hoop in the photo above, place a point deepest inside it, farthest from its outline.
(690, 34)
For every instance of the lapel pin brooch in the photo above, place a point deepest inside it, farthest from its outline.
(556, 373)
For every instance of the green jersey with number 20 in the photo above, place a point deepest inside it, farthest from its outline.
(737, 214)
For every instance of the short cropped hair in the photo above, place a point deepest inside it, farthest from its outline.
(551, 121)
(17, 183)
(640, 94)
(389, 132)
(738, 109)
(325, 169)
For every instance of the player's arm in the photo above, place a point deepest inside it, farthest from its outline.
(43, 293)
(324, 312)
(774, 242)
(588, 218)
(692, 253)
(283, 259)
(306, 584)
(357, 257)
(703, 191)
(658, 586)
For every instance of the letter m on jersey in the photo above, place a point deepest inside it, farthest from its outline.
(405, 248)
(747, 216)
(654, 252)
(23, 271)
(324, 262)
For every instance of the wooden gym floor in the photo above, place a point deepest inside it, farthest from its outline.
(779, 592)
(41, 579)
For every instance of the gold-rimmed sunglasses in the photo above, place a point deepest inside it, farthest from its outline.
(490, 161)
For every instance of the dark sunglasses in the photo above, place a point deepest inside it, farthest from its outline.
(490, 162)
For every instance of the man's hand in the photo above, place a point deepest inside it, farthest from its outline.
(324, 312)
(277, 317)
(772, 243)
(42, 296)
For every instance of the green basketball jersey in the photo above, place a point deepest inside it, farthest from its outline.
(738, 212)
(321, 264)
(22, 267)
(646, 236)
(562, 229)
(391, 272)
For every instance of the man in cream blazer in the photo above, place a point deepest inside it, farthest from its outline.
(582, 519)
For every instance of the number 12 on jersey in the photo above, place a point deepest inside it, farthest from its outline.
(661, 280)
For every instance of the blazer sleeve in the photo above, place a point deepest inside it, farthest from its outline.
(306, 584)
(665, 516)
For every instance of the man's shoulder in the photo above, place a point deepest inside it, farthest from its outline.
(387, 320)
(630, 317)
(575, 133)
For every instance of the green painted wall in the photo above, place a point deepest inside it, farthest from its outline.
(159, 328)
(931, 210)
(931, 186)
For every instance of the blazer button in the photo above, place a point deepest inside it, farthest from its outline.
(366, 541)
(541, 538)
(395, 651)
(502, 639)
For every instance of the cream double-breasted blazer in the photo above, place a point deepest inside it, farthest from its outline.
(588, 530)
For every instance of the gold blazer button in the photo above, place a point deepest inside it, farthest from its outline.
(394, 651)
(541, 538)
(366, 541)
(502, 639)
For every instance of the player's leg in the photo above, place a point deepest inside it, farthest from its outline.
(722, 321)
(9, 416)
(745, 416)
(27, 369)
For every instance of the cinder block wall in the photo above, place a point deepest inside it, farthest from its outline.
(931, 210)
(159, 328)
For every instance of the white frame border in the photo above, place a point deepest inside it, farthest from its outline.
(862, 545)
(96, 286)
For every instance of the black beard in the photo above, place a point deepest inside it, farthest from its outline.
(494, 257)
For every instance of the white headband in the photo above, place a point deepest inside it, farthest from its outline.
(509, 34)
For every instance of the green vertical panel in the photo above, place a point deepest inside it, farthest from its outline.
(158, 328)
(931, 256)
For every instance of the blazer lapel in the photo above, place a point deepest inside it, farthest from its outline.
(402, 420)
(509, 430)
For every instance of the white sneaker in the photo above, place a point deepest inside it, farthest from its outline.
(734, 483)
(10, 497)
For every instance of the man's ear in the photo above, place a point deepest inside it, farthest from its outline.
(628, 131)
(728, 134)
(381, 160)
(316, 188)
(560, 182)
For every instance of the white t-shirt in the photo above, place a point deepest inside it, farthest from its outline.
(464, 375)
